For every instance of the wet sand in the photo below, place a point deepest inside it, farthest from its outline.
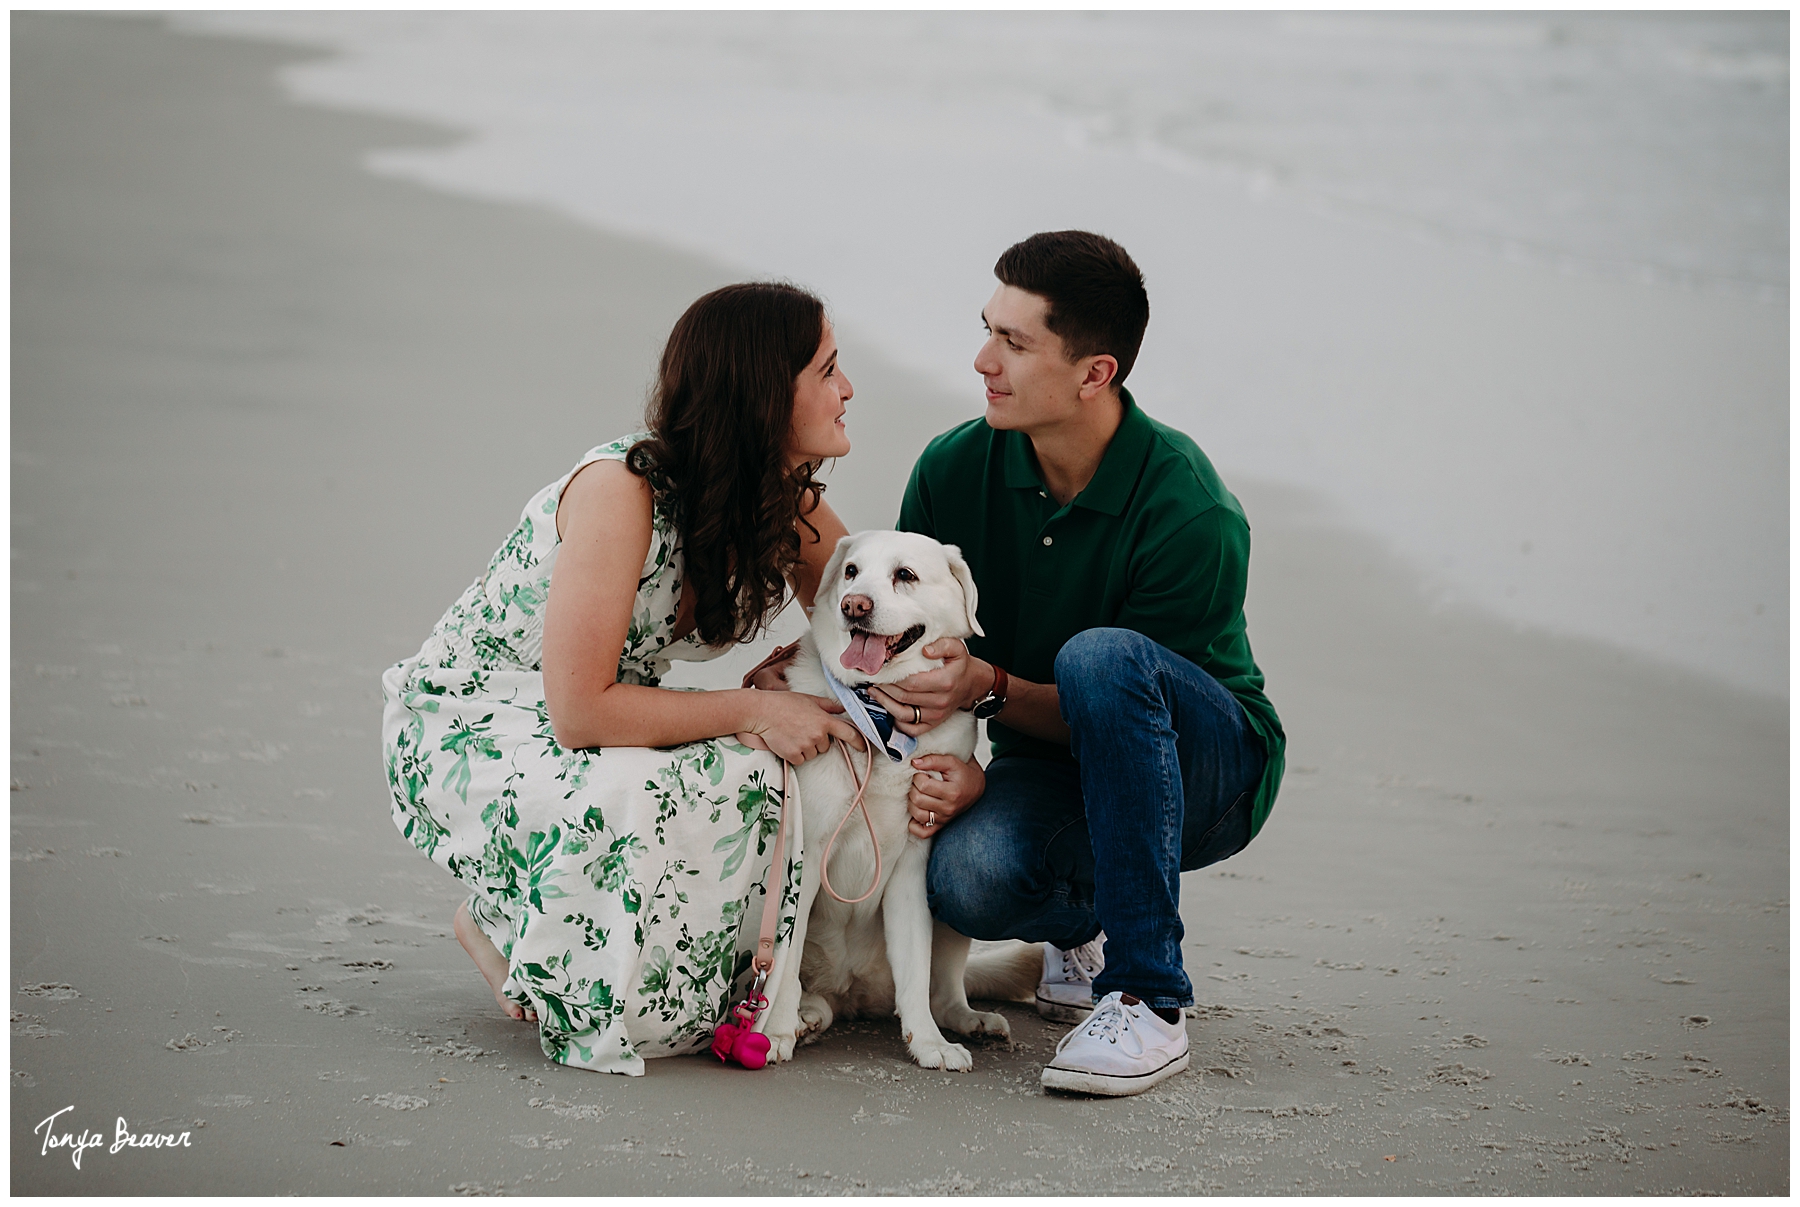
(1518, 924)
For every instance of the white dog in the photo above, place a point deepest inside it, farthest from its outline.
(882, 598)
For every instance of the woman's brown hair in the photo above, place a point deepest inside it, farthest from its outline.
(719, 418)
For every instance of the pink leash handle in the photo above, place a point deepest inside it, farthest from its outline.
(764, 959)
(765, 947)
(862, 786)
(780, 654)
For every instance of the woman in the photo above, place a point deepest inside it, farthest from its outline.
(617, 834)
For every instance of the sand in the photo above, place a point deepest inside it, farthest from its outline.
(1518, 923)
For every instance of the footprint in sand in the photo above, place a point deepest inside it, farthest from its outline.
(398, 1102)
(1458, 1074)
(34, 1031)
(54, 991)
(335, 1009)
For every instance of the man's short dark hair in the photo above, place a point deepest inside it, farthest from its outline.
(1096, 293)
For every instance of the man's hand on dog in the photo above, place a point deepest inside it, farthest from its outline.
(933, 801)
(957, 684)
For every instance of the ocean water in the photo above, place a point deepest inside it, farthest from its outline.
(1255, 164)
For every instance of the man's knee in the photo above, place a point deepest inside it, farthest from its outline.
(973, 888)
(1097, 668)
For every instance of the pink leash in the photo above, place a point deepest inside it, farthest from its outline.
(737, 1041)
(862, 786)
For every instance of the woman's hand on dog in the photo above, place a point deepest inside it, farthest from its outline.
(956, 685)
(934, 802)
(797, 727)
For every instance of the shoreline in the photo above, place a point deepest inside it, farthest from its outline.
(1544, 444)
(267, 425)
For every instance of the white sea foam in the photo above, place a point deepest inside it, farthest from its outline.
(885, 159)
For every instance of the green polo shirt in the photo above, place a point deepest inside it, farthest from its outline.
(1154, 543)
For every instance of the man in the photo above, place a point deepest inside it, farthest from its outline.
(1131, 737)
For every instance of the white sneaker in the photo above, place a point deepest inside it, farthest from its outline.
(1066, 994)
(1122, 1048)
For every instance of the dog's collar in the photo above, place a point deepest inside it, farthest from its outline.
(873, 721)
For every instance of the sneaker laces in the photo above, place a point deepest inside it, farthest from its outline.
(1107, 1023)
(1083, 963)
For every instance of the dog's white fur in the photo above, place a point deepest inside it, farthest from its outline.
(885, 955)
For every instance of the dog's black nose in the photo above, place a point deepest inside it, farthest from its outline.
(856, 607)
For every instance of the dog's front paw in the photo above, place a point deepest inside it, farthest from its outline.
(965, 1021)
(940, 1054)
(781, 1047)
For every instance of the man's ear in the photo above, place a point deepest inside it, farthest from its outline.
(971, 596)
(1101, 370)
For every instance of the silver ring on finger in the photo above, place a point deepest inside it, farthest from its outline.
(930, 819)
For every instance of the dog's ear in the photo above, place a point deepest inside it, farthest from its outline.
(834, 567)
(971, 596)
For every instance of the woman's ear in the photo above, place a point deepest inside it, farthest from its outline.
(971, 596)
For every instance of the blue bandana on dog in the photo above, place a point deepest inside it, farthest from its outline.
(871, 719)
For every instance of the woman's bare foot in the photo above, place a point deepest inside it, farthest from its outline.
(487, 957)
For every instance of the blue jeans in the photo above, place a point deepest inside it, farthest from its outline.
(1166, 766)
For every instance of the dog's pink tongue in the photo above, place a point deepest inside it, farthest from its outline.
(867, 653)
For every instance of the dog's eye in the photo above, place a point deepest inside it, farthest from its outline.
(849, 571)
(905, 576)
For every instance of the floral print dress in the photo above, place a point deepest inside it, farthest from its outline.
(623, 884)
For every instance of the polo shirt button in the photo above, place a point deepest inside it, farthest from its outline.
(1046, 540)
